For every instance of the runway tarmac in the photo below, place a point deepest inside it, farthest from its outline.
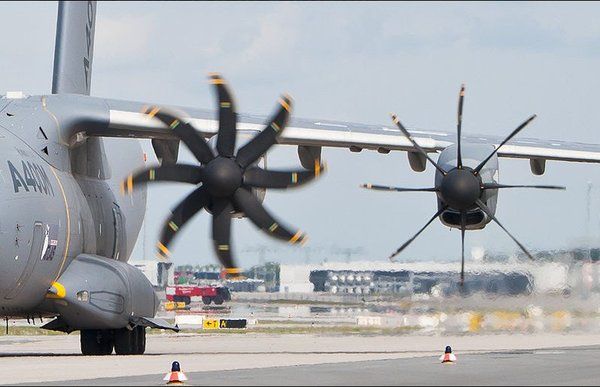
(571, 366)
(258, 359)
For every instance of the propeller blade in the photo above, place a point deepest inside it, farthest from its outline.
(186, 133)
(417, 146)
(227, 117)
(507, 139)
(260, 178)
(461, 98)
(259, 145)
(181, 173)
(489, 213)
(463, 227)
(245, 200)
(184, 211)
(408, 242)
(397, 189)
(499, 186)
(221, 231)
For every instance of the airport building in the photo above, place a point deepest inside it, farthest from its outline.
(437, 279)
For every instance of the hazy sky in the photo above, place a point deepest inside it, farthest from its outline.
(354, 62)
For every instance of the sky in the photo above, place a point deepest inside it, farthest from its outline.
(353, 61)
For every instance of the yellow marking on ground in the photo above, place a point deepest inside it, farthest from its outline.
(225, 104)
(217, 81)
(273, 227)
(173, 226)
(275, 127)
(163, 249)
(154, 111)
(294, 178)
(152, 174)
(68, 216)
(233, 270)
(223, 247)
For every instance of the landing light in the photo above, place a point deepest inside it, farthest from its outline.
(83, 296)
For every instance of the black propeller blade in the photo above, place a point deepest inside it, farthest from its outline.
(507, 139)
(500, 186)
(461, 98)
(489, 213)
(463, 228)
(460, 189)
(421, 150)
(397, 189)
(227, 180)
(408, 242)
(186, 133)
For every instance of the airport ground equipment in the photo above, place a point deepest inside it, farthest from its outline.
(206, 294)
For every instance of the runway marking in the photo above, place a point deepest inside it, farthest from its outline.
(548, 352)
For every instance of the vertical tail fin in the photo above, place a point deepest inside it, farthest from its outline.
(74, 49)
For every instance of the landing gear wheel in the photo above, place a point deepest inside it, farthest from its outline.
(130, 342)
(95, 342)
(187, 300)
(218, 300)
(206, 300)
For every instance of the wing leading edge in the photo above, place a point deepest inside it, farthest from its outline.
(126, 120)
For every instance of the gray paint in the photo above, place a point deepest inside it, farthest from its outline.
(114, 293)
(74, 47)
(473, 154)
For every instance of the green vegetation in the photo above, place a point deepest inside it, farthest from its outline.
(29, 331)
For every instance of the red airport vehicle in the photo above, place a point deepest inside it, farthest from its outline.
(189, 293)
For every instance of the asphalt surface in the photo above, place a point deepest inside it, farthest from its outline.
(561, 366)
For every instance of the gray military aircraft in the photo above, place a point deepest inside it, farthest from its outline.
(67, 231)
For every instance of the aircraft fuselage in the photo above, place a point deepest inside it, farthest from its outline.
(58, 201)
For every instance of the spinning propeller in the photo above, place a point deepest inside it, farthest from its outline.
(226, 181)
(461, 188)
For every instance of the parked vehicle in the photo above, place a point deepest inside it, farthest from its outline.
(206, 294)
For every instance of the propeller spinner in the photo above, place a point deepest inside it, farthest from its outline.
(225, 180)
(461, 188)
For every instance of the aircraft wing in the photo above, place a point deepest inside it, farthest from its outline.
(126, 120)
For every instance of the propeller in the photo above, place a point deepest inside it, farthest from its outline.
(461, 188)
(226, 181)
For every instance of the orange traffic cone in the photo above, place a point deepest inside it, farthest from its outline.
(448, 357)
(175, 376)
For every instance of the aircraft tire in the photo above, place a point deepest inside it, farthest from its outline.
(130, 342)
(96, 342)
(206, 300)
(141, 340)
(218, 300)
